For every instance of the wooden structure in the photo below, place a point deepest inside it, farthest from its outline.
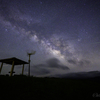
(13, 61)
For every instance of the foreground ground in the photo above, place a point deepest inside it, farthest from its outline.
(23, 87)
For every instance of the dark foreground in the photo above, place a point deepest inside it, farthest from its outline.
(23, 87)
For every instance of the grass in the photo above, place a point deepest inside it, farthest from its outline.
(23, 87)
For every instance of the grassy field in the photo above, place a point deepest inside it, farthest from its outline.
(23, 87)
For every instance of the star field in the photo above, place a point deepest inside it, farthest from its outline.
(64, 33)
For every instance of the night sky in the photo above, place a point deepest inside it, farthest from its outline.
(64, 33)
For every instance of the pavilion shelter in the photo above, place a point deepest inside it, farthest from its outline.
(13, 61)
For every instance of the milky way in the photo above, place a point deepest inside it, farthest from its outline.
(66, 31)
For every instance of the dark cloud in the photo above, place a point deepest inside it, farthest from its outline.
(44, 69)
(55, 63)
(72, 61)
(63, 67)
(89, 74)
(81, 63)
(39, 69)
(39, 66)
(84, 62)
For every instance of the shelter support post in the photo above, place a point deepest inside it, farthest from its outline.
(1, 67)
(29, 69)
(23, 69)
(12, 68)
(29, 66)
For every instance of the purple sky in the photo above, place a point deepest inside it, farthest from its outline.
(64, 33)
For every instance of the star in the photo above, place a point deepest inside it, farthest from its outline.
(65, 30)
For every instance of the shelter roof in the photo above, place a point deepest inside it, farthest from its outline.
(16, 61)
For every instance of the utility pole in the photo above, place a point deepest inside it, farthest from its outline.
(30, 61)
